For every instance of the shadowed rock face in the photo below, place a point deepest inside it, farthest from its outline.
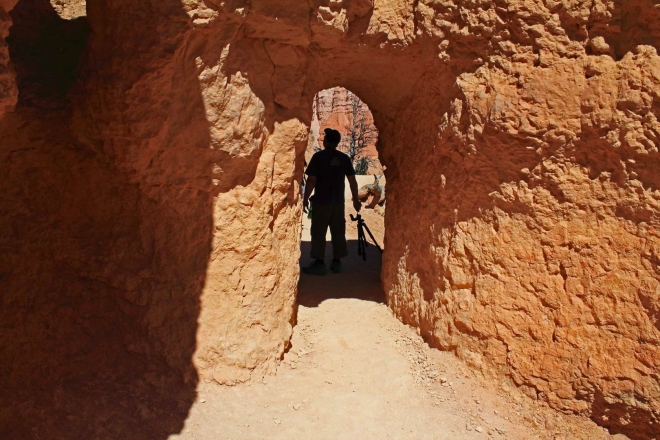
(150, 191)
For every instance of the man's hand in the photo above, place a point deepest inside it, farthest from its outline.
(352, 181)
(305, 205)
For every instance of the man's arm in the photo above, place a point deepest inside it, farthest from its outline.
(309, 187)
(352, 181)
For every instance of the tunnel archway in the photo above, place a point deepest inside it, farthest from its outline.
(342, 110)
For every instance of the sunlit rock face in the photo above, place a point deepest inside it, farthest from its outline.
(151, 194)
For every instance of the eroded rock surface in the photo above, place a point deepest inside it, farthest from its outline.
(151, 194)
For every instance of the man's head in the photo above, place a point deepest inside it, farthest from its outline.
(331, 138)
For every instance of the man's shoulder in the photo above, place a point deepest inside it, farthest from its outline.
(330, 154)
(319, 154)
(343, 155)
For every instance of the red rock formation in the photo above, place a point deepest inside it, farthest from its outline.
(153, 203)
(335, 108)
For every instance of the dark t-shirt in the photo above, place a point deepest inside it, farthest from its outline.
(330, 167)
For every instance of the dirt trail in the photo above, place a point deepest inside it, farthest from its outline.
(356, 372)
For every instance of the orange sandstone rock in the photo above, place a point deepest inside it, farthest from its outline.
(153, 202)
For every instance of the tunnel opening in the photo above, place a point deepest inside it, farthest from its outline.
(342, 110)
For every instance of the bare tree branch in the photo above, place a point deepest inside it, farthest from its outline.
(362, 132)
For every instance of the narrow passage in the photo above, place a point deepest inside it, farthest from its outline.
(355, 372)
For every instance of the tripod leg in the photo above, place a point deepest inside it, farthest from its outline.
(363, 242)
(359, 240)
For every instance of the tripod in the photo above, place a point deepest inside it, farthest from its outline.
(362, 239)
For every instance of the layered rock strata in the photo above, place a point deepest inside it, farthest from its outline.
(153, 201)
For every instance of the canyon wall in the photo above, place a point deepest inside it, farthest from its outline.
(537, 257)
(152, 200)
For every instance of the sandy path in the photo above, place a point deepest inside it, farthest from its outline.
(355, 372)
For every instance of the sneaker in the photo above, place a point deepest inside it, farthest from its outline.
(335, 266)
(315, 268)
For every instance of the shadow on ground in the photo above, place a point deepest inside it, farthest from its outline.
(359, 279)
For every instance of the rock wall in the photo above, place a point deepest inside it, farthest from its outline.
(537, 257)
(8, 89)
(152, 196)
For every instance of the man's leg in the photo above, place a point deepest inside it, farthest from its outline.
(338, 232)
(321, 216)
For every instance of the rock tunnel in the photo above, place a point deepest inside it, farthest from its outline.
(152, 154)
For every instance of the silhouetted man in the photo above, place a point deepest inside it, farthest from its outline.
(325, 176)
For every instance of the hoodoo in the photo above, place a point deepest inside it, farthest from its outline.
(152, 154)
